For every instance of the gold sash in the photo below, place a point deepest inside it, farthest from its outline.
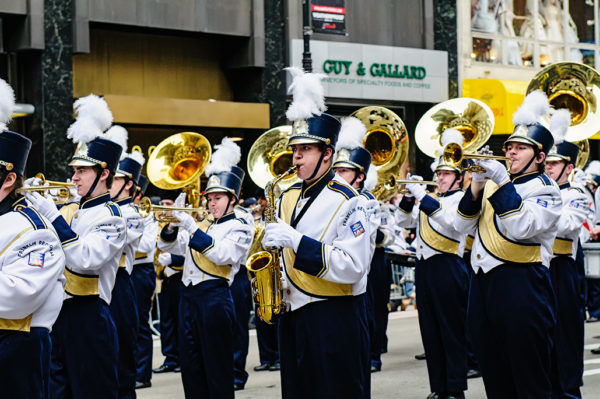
(469, 242)
(68, 211)
(122, 261)
(562, 246)
(16, 325)
(307, 283)
(140, 255)
(204, 264)
(434, 239)
(495, 242)
(81, 285)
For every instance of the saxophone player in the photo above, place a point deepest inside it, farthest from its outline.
(324, 233)
(213, 253)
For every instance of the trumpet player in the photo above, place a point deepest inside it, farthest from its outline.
(31, 273)
(513, 218)
(216, 250)
(326, 241)
(123, 304)
(92, 235)
(566, 278)
(353, 164)
(440, 276)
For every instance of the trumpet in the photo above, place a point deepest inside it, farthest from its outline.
(407, 191)
(146, 207)
(454, 155)
(63, 194)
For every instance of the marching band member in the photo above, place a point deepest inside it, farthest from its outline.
(514, 219)
(143, 278)
(324, 233)
(31, 273)
(352, 163)
(216, 250)
(92, 234)
(593, 285)
(123, 306)
(564, 274)
(440, 276)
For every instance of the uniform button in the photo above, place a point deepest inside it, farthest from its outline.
(288, 291)
(420, 246)
(191, 272)
(76, 215)
(478, 256)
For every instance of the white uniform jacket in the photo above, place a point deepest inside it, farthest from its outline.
(215, 251)
(31, 268)
(147, 246)
(436, 233)
(93, 235)
(575, 209)
(335, 251)
(135, 230)
(515, 223)
(246, 215)
(588, 223)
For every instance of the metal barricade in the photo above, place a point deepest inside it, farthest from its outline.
(591, 254)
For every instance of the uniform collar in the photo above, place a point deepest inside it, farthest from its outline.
(94, 201)
(564, 185)
(316, 186)
(8, 204)
(520, 179)
(125, 201)
(225, 218)
(449, 193)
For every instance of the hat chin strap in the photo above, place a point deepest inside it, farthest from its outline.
(93, 187)
(127, 180)
(526, 166)
(314, 173)
(561, 172)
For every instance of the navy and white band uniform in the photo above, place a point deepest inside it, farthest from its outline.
(565, 275)
(213, 255)
(93, 235)
(441, 279)
(514, 224)
(31, 281)
(326, 239)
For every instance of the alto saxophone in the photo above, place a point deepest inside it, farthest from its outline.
(264, 267)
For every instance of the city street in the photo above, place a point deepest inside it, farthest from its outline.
(401, 377)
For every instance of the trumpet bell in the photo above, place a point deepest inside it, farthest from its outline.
(575, 87)
(270, 156)
(178, 160)
(387, 141)
(471, 117)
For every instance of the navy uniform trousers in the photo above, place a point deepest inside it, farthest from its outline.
(206, 319)
(84, 351)
(570, 325)
(242, 303)
(324, 349)
(378, 291)
(472, 362)
(266, 336)
(442, 292)
(168, 300)
(512, 321)
(143, 278)
(125, 314)
(25, 364)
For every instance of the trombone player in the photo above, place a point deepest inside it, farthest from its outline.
(441, 276)
(326, 241)
(513, 218)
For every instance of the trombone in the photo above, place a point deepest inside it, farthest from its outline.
(146, 207)
(63, 194)
(454, 154)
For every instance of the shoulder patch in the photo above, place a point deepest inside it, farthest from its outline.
(34, 218)
(545, 179)
(367, 195)
(343, 189)
(114, 209)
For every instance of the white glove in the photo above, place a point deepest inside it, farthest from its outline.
(164, 258)
(494, 170)
(281, 235)
(43, 205)
(149, 220)
(32, 181)
(411, 177)
(180, 201)
(579, 178)
(186, 222)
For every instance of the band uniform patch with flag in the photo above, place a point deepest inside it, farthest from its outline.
(36, 259)
(542, 202)
(357, 229)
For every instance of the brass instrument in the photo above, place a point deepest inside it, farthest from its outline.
(270, 156)
(177, 163)
(264, 266)
(63, 189)
(400, 183)
(454, 155)
(575, 87)
(387, 141)
(146, 207)
(584, 153)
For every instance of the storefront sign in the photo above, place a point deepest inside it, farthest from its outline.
(377, 72)
(328, 16)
